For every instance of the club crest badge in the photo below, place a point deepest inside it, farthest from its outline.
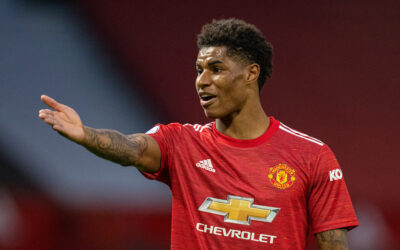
(281, 176)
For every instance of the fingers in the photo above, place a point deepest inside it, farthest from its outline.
(43, 113)
(52, 103)
(47, 116)
(53, 119)
(50, 117)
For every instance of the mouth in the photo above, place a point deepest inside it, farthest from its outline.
(207, 99)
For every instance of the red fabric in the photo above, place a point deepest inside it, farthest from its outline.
(261, 169)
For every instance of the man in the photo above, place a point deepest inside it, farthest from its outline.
(244, 181)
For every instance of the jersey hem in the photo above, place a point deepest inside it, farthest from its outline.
(349, 225)
(156, 175)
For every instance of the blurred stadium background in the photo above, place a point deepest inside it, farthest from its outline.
(129, 64)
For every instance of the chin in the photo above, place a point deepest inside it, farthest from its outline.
(213, 114)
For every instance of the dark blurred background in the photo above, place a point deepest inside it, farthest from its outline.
(127, 65)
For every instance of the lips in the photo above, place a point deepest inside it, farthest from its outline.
(206, 98)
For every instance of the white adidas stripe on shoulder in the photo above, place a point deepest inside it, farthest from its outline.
(208, 125)
(198, 127)
(299, 134)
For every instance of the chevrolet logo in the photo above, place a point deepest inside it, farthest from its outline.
(240, 210)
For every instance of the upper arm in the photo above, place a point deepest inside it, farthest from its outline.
(335, 239)
(148, 154)
(329, 204)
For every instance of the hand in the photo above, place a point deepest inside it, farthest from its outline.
(63, 119)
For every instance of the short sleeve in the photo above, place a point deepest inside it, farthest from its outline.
(329, 203)
(164, 136)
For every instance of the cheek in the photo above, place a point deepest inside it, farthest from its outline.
(233, 98)
(234, 90)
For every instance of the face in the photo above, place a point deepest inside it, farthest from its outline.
(220, 82)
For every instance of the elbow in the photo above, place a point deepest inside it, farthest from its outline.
(127, 163)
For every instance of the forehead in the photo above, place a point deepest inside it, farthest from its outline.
(207, 54)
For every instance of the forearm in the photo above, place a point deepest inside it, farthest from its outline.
(333, 240)
(115, 146)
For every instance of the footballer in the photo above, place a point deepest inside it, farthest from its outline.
(245, 180)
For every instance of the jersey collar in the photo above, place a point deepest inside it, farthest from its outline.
(273, 127)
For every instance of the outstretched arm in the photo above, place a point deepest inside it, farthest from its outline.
(139, 150)
(333, 239)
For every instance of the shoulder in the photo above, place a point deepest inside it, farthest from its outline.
(291, 135)
(198, 128)
(298, 144)
(178, 128)
(305, 149)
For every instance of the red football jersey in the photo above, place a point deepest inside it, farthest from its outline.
(248, 194)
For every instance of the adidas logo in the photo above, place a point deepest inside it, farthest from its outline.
(206, 164)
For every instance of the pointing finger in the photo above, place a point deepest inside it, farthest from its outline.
(52, 103)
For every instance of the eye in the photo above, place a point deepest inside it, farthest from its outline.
(199, 71)
(217, 70)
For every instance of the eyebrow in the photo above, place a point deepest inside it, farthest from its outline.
(211, 63)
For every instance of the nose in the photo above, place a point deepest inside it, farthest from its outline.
(203, 80)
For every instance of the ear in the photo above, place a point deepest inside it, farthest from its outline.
(253, 71)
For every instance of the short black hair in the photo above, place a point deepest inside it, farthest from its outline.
(241, 39)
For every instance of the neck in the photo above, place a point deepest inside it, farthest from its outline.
(245, 124)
